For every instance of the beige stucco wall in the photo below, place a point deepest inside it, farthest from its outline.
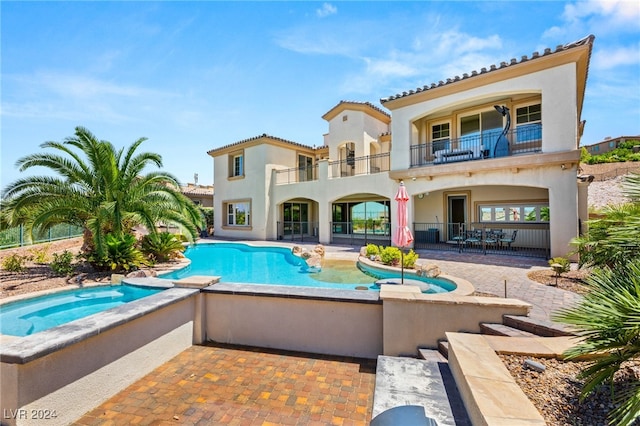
(325, 327)
(73, 380)
(359, 128)
(414, 320)
(259, 161)
(433, 204)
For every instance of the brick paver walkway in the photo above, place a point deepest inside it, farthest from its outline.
(217, 385)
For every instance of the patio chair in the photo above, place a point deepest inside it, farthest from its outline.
(491, 238)
(509, 240)
(474, 238)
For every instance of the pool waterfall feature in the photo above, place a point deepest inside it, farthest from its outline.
(100, 355)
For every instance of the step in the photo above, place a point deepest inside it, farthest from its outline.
(443, 348)
(409, 381)
(503, 330)
(489, 391)
(431, 355)
(536, 326)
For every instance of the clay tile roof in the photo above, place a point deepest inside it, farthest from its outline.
(560, 48)
(197, 189)
(262, 136)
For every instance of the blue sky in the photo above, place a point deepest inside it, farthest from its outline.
(193, 76)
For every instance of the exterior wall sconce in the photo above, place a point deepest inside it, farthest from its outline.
(562, 166)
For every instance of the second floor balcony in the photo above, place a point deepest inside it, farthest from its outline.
(522, 140)
(357, 166)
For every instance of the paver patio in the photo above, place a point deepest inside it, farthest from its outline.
(217, 384)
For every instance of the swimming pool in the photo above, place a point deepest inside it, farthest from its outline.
(30, 316)
(242, 263)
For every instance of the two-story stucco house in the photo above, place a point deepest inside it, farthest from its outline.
(489, 158)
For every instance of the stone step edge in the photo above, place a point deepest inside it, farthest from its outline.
(536, 326)
(503, 330)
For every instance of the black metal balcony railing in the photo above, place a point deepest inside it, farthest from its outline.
(298, 231)
(361, 232)
(297, 174)
(513, 239)
(367, 165)
(522, 140)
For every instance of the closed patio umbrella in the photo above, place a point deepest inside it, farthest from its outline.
(402, 237)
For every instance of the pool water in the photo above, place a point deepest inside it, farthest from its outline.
(240, 263)
(36, 314)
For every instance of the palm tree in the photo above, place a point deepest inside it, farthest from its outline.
(608, 317)
(99, 188)
(608, 321)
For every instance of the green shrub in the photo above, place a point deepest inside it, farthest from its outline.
(61, 263)
(121, 255)
(161, 247)
(372, 250)
(40, 254)
(410, 259)
(181, 237)
(390, 255)
(563, 265)
(14, 263)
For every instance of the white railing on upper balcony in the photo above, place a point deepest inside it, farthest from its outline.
(296, 175)
(524, 139)
(367, 165)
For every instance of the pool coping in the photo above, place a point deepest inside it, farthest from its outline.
(463, 287)
(23, 350)
(292, 292)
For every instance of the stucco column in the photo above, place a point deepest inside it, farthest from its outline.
(563, 209)
(324, 206)
(583, 205)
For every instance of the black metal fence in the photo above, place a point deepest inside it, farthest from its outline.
(296, 175)
(522, 140)
(298, 231)
(361, 232)
(367, 165)
(513, 239)
(16, 237)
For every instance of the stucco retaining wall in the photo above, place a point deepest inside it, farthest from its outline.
(413, 320)
(324, 321)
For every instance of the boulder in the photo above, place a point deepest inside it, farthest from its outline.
(137, 274)
(431, 271)
(314, 260)
(297, 250)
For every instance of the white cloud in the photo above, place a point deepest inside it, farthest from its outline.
(612, 58)
(75, 97)
(425, 61)
(598, 17)
(326, 10)
(618, 12)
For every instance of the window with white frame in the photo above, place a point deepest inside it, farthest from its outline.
(440, 134)
(236, 164)
(514, 212)
(528, 123)
(238, 213)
